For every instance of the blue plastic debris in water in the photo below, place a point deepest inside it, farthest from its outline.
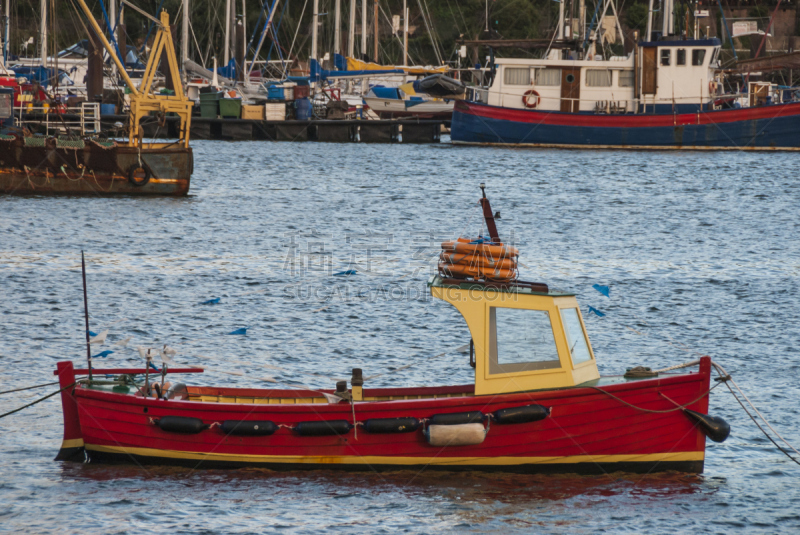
(602, 289)
(592, 309)
(102, 354)
(243, 330)
(345, 273)
(214, 301)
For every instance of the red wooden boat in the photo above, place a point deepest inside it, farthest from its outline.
(537, 404)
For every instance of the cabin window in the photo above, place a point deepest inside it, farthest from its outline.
(521, 340)
(698, 56)
(598, 78)
(680, 57)
(626, 78)
(576, 338)
(666, 54)
(515, 76)
(548, 76)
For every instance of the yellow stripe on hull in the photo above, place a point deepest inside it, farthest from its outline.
(401, 461)
(72, 443)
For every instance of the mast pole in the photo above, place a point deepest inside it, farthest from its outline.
(314, 30)
(405, 33)
(185, 38)
(86, 316)
(337, 28)
(375, 22)
(363, 28)
(43, 32)
(351, 41)
(649, 31)
(227, 44)
(7, 29)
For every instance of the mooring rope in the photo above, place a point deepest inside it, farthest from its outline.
(678, 408)
(726, 378)
(37, 401)
(28, 388)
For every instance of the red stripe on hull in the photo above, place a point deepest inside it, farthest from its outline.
(628, 120)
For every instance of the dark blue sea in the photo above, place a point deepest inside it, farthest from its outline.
(700, 252)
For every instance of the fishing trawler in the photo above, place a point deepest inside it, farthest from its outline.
(537, 402)
(667, 93)
(72, 156)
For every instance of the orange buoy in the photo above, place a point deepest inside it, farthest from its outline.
(478, 260)
(460, 271)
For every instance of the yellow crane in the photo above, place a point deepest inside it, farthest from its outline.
(143, 100)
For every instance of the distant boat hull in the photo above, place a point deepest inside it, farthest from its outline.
(774, 127)
(588, 430)
(398, 108)
(92, 169)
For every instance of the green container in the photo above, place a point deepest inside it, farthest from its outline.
(230, 107)
(209, 105)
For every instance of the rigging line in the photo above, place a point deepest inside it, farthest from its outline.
(759, 426)
(28, 388)
(389, 21)
(37, 401)
(430, 33)
(297, 30)
(437, 40)
(725, 374)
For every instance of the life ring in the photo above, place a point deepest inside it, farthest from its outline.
(526, 98)
(464, 246)
(138, 176)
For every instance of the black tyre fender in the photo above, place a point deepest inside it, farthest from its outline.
(135, 175)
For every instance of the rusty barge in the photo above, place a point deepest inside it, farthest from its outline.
(80, 161)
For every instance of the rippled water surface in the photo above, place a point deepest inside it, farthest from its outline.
(700, 251)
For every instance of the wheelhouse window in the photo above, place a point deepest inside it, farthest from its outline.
(666, 55)
(576, 337)
(521, 340)
(517, 76)
(548, 77)
(625, 79)
(598, 78)
(680, 57)
(698, 56)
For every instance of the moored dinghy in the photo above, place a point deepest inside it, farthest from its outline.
(537, 403)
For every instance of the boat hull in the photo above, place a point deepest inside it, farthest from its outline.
(589, 430)
(775, 127)
(92, 169)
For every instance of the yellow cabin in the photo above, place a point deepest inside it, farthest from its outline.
(524, 336)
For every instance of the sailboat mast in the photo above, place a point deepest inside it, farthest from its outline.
(351, 41)
(405, 33)
(43, 32)
(337, 28)
(227, 46)
(364, 28)
(375, 22)
(314, 30)
(6, 30)
(185, 38)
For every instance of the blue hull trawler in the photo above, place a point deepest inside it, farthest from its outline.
(669, 92)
